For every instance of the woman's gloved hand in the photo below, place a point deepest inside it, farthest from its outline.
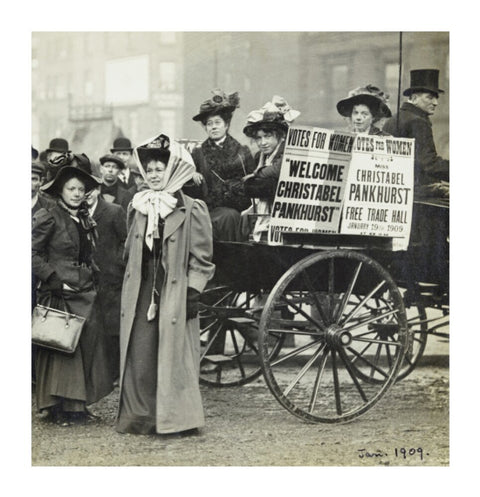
(193, 302)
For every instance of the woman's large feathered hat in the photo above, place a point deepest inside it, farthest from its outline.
(54, 186)
(369, 95)
(275, 115)
(219, 102)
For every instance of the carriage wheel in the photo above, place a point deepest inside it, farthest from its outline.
(229, 337)
(350, 328)
(418, 328)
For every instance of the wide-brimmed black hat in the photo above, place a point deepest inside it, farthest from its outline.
(83, 162)
(157, 149)
(121, 144)
(38, 168)
(58, 145)
(423, 80)
(220, 102)
(369, 95)
(112, 158)
(64, 174)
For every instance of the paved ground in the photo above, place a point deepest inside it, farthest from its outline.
(245, 426)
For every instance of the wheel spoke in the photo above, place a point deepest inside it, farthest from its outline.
(331, 289)
(353, 376)
(369, 363)
(209, 344)
(318, 304)
(346, 295)
(336, 383)
(303, 313)
(377, 341)
(303, 371)
(358, 324)
(355, 311)
(237, 353)
(294, 352)
(318, 378)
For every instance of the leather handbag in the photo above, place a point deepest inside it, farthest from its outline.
(55, 329)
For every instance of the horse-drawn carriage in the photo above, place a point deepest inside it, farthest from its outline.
(331, 320)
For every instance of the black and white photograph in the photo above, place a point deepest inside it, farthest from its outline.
(240, 250)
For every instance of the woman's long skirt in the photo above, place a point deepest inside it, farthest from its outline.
(72, 381)
(137, 413)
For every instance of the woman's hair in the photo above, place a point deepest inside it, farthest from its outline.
(154, 154)
(68, 177)
(226, 115)
(277, 132)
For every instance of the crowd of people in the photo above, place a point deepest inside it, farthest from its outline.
(128, 245)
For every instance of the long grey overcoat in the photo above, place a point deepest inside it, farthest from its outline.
(186, 260)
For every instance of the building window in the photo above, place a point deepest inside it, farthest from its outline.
(167, 122)
(167, 76)
(167, 38)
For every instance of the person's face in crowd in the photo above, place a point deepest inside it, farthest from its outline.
(92, 196)
(216, 127)
(426, 101)
(123, 155)
(155, 173)
(110, 171)
(36, 183)
(139, 181)
(73, 192)
(362, 118)
(266, 141)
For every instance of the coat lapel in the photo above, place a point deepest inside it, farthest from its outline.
(173, 221)
(100, 209)
(70, 227)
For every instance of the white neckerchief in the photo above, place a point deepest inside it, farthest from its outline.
(34, 200)
(91, 209)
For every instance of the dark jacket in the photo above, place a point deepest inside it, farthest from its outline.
(121, 195)
(222, 166)
(43, 202)
(112, 232)
(56, 249)
(415, 123)
(264, 184)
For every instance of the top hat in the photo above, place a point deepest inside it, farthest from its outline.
(273, 116)
(371, 96)
(219, 102)
(58, 145)
(423, 80)
(112, 158)
(121, 144)
(54, 186)
(38, 168)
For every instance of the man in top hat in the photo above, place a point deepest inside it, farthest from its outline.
(122, 148)
(112, 189)
(413, 121)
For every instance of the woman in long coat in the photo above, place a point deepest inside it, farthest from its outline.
(169, 251)
(221, 162)
(62, 260)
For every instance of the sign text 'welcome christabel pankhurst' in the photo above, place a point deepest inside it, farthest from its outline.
(339, 182)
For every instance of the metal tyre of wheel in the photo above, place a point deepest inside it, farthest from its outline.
(349, 323)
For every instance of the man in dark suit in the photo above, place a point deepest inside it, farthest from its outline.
(39, 199)
(112, 189)
(122, 148)
(413, 121)
(112, 232)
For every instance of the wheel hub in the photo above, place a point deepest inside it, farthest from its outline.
(338, 338)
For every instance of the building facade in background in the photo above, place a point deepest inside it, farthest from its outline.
(91, 87)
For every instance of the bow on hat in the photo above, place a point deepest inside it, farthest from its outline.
(276, 110)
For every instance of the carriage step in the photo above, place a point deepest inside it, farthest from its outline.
(241, 320)
(218, 358)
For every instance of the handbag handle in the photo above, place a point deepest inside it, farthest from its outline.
(48, 306)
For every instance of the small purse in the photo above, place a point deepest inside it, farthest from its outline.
(55, 329)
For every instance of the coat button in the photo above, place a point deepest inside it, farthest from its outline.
(174, 280)
(172, 239)
(128, 274)
(174, 320)
(123, 314)
(137, 236)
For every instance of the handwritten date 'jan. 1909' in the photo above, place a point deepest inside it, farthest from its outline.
(398, 453)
